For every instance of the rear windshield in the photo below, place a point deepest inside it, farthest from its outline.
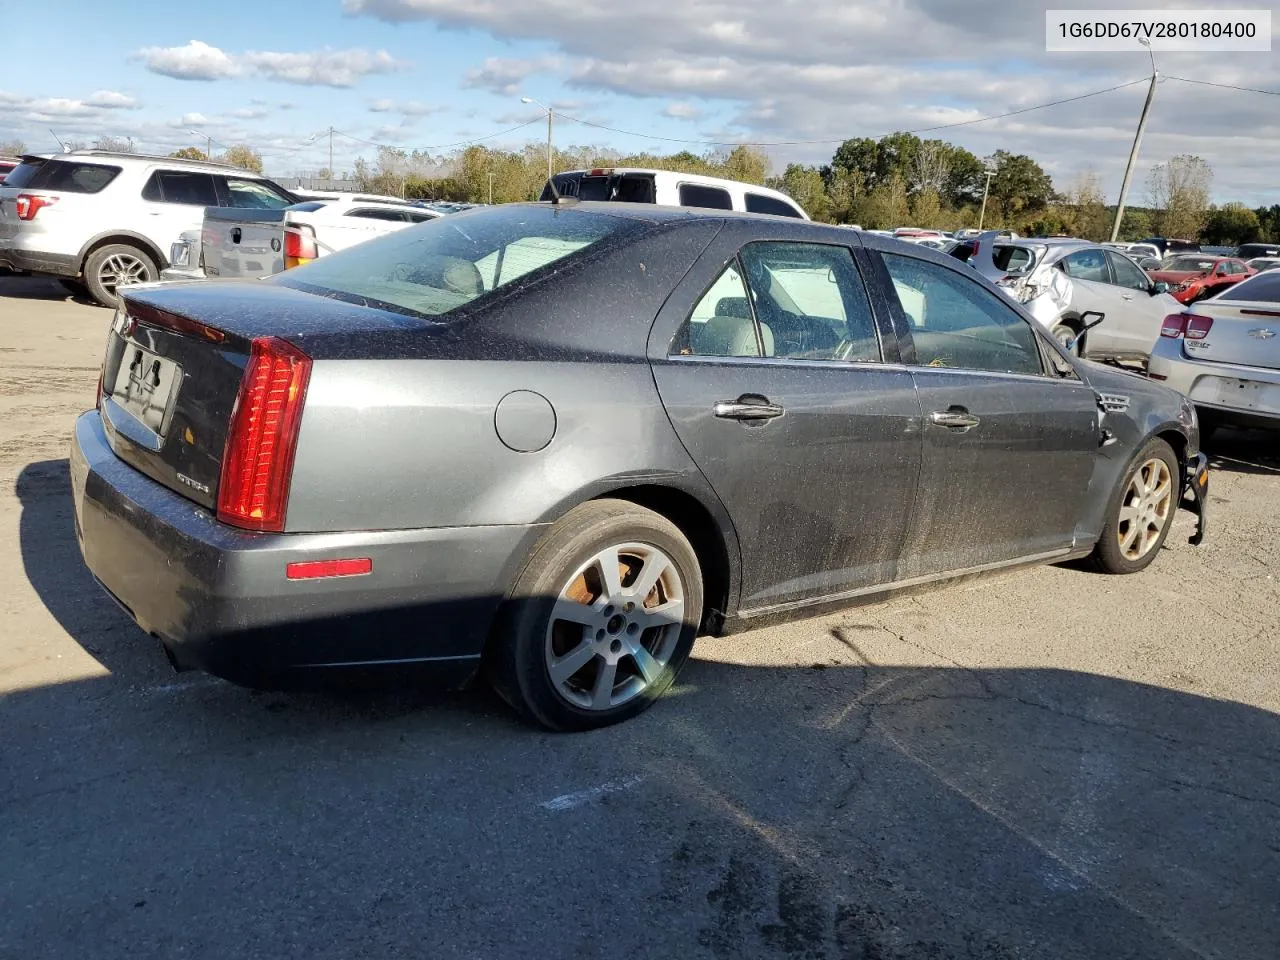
(1191, 264)
(1265, 287)
(436, 267)
(64, 176)
(616, 187)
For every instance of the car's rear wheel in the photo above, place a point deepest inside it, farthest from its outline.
(601, 619)
(114, 266)
(1141, 511)
(1065, 334)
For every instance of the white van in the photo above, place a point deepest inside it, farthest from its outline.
(670, 189)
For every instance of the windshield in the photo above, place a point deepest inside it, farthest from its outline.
(1191, 264)
(439, 266)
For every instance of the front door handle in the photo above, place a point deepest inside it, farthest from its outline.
(957, 418)
(746, 409)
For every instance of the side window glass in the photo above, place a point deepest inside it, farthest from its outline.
(194, 189)
(1087, 265)
(1127, 274)
(810, 302)
(695, 195)
(720, 324)
(955, 322)
(759, 203)
(151, 191)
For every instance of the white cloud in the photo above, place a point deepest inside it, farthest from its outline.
(192, 120)
(382, 106)
(195, 61)
(683, 110)
(416, 108)
(503, 76)
(328, 68)
(198, 60)
(111, 100)
(250, 113)
(825, 70)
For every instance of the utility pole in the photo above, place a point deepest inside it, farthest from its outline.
(208, 147)
(331, 156)
(491, 188)
(982, 216)
(549, 169)
(1137, 141)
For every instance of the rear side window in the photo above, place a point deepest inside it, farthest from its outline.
(696, 195)
(1265, 287)
(368, 213)
(759, 203)
(181, 186)
(65, 176)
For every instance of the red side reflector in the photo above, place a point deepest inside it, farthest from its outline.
(257, 463)
(314, 569)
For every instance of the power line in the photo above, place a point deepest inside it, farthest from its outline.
(792, 143)
(441, 146)
(1226, 86)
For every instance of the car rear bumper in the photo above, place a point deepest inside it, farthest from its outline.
(29, 261)
(219, 600)
(1231, 392)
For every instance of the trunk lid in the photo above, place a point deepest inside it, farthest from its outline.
(175, 358)
(1243, 332)
(238, 243)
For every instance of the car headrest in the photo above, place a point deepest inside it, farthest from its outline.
(732, 337)
(733, 307)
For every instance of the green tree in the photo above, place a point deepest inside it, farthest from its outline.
(858, 156)
(1020, 185)
(1179, 191)
(926, 209)
(806, 187)
(1135, 225)
(239, 155)
(965, 177)
(1231, 225)
(886, 206)
(189, 153)
(1089, 216)
(845, 191)
(745, 164)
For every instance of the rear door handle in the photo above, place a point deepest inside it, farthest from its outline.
(741, 409)
(957, 418)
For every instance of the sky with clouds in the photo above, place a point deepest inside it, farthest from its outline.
(800, 75)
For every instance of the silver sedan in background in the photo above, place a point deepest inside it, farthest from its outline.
(1224, 353)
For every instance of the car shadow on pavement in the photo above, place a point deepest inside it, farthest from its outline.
(1244, 451)
(43, 288)
(859, 806)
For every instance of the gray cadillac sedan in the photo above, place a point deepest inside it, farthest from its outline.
(556, 441)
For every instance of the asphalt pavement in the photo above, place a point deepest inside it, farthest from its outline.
(1049, 763)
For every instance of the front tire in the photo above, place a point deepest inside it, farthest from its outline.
(600, 621)
(1141, 511)
(114, 266)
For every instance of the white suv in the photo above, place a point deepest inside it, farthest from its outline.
(103, 220)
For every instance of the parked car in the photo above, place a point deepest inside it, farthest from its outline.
(670, 189)
(1247, 251)
(1193, 277)
(1149, 264)
(1225, 354)
(7, 165)
(256, 243)
(102, 220)
(1167, 247)
(1101, 281)
(1261, 264)
(408, 455)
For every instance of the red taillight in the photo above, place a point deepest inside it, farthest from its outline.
(315, 569)
(1198, 327)
(1174, 325)
(299, 245)
(257, 463)
(29, 204)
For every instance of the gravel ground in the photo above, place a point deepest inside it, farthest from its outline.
(1049, 763)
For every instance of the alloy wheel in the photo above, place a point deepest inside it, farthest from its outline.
(1145, 509)
(615, 626)
(121, 270)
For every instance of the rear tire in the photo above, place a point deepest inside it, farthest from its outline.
(583, 640)
(1065, 333)
(75, 287)
(1141, 511)
(116, 265)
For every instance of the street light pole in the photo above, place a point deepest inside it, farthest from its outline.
(982, 216)
(550, 167)
(1137, 141)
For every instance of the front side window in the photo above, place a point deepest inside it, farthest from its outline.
(955, 322)
(1127, 274)
(1087, 265)
(451, 261)
(760, 203)
(696, 195)
(811, 301)
(255, 195)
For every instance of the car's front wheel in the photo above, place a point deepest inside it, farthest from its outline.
(1141, 511)
(601, 619)
(114, 266)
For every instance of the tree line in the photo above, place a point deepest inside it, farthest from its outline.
(897, 180)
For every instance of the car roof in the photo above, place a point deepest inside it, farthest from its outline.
(696, 178)
(116, 158)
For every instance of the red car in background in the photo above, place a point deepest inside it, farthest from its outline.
(6, 165)
(1194, 276)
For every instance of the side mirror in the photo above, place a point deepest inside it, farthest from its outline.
(1159, 287)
